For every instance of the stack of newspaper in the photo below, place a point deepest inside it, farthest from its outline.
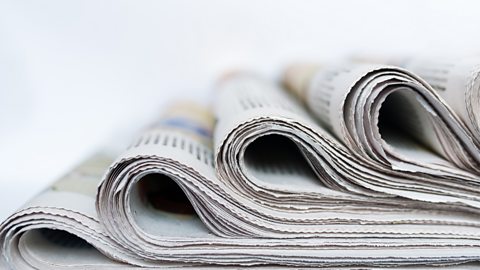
(348, 165)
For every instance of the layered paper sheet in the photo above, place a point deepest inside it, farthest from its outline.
(353, 165)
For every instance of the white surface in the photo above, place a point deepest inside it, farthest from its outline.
(74, 72)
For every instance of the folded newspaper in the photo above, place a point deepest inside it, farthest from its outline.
(456, 79)
(357, 165)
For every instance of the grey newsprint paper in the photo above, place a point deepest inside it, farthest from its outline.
(351, 165)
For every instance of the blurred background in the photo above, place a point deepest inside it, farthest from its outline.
(75, 74)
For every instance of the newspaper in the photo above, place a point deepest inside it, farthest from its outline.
(455, 78)
(59, 228)
(266, 179)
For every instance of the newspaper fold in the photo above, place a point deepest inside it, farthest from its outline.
(455, 78)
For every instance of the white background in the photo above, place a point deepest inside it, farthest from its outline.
(75, 73)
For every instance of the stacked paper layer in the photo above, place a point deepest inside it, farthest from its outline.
(352, 165)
